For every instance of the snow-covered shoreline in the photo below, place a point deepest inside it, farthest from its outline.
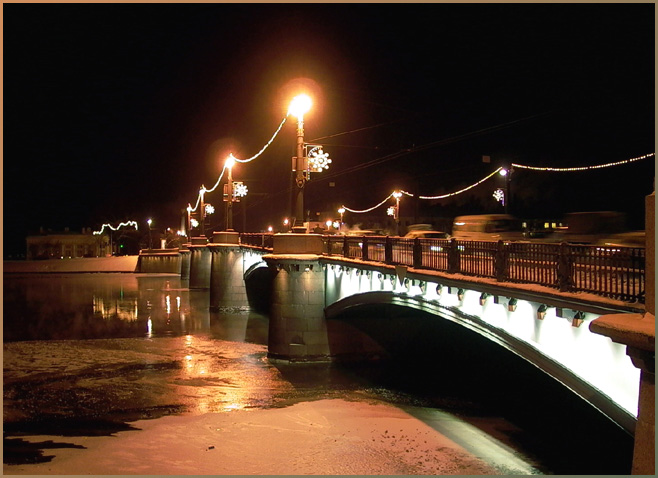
(82, 264)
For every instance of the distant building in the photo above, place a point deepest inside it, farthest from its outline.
(67, 244)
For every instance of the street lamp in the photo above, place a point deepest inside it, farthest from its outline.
(149, 221)
(189, 221)
(507, 174)
(397, 195)
(228, 193)
(202, 210)
(299, 106)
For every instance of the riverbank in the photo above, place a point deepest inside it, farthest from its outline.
(324, 437)
(80, 264)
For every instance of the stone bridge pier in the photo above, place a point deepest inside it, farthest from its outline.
(227, 286)
(298, 330)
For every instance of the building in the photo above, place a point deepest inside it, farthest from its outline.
(67, 244)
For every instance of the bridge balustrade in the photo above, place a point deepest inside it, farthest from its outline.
(615, 272)
(261, 240)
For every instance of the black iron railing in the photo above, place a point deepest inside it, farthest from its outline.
(615, 272)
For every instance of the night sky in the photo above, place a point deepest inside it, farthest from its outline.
(116, 112)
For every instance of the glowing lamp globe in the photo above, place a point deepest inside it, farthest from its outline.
(300, 105)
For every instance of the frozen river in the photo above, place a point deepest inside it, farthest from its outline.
(131, 373)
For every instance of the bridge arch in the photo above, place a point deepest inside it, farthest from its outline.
(534, 340)
(251, 269)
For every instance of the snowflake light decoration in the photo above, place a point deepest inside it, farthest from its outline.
(391, 211)
(194, 222)
(240, 189)
(318, 160)
(499, 195)
(210, 209)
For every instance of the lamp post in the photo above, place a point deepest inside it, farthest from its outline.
(202, 211)
(149, 221)
(397, 195)
(507, 174)
(189, 221)
(228, 193)
(298, 107)
(341, 211)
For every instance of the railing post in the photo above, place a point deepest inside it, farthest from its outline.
(346, 247)
(453, 256)
(501, 261)
(388, 250)
(417, 253)
(364, 248)
(564, 268)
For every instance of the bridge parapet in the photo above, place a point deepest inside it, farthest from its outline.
(638, 333)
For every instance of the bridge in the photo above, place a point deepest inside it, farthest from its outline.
(557, 306)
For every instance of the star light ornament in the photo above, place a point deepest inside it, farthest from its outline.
(499, 195)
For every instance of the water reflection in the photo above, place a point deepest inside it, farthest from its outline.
(81, 306)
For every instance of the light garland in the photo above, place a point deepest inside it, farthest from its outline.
(356, 211)
(219, 180)
(129, 223)
(456, 192)
(582, 168)
(264, 147)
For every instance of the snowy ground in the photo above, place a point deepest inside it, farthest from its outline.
(327, 437)
(86, 264)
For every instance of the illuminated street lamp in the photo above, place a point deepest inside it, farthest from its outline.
(507, 174)
(341, 211)
(397, 195)
(202, 210)
(149, 221)
(189, 220)
(299, 106)
(228, 192)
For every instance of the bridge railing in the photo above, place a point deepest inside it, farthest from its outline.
(616, 272)
(260, 240)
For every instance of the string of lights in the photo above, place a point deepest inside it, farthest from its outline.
(264, 147)
(582, 168)
(356, 211)
(122, 224)
(203, 190)
(443, 196)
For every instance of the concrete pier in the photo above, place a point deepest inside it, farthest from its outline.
(200, 261)
(227, 286)
(185, 262)
(298, 330)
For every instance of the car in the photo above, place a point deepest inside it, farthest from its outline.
(426, 234)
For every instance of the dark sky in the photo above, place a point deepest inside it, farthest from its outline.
(116, 112)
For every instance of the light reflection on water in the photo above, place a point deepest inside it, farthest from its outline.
(82, 306)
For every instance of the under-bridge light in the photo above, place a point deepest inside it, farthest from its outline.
(541, 311)
(483, 298)
(460, 294)
(578, 319)
(511, 305)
